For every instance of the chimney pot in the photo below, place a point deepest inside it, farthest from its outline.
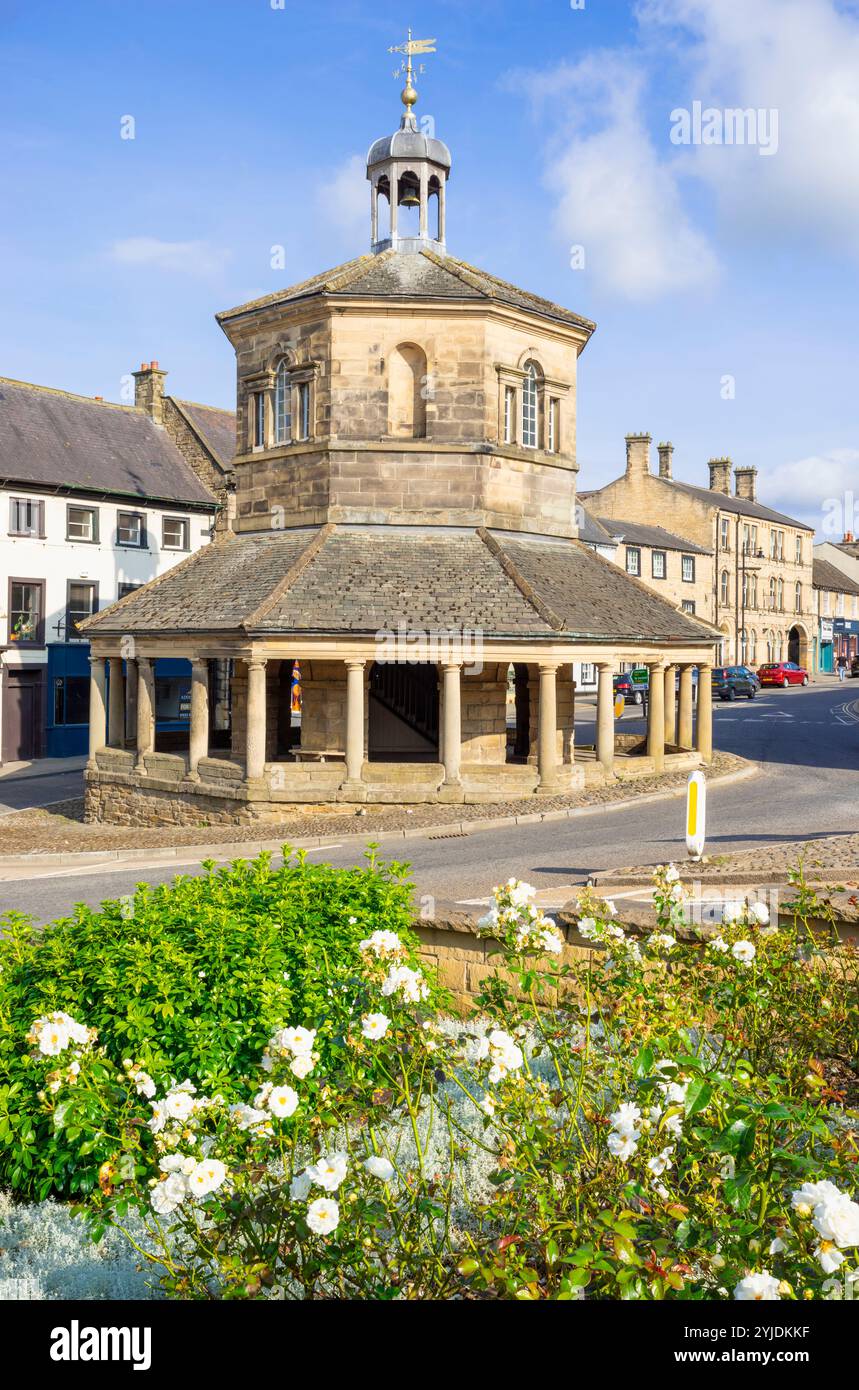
(149, 389)
(720, 475)
(638, 454)
(745, 483)
(666, 454)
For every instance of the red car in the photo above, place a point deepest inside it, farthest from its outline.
(783, 673)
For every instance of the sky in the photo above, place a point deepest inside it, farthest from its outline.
(164, 160)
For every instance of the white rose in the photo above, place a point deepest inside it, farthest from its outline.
(379, 1167)
(329, 1171)
(837, 1220)
(299, 1188)
(282, 1101)
(207, 1177)
(757, 1288)
(375, 1026)
(302, 1065)
(744, 952)
(169, 1194)
(323, 1216)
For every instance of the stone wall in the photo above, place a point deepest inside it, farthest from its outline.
(198, 457)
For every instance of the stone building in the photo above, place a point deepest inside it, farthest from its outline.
(96, 499)
(836, 605)
(760, 597)
(405, 528)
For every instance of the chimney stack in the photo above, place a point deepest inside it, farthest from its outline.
(720, 475)
(637, 455)
(746, 483)
(666, 454)
(149, 389)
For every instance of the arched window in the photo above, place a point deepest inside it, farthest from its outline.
(772, 593)
(797, 597)
(530, 406)
(753, 647)
(780, 595)
(726, 588)
(282, 405)
(408, 388)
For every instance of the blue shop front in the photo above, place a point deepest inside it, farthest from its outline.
(67, 713)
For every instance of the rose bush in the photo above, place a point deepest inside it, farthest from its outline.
(656, 1117)
(190, 977)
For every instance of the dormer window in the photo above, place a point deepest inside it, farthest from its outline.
(530, 407)
(282, 406)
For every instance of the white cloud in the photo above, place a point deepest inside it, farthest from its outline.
(799, 57)
(617, 196)
(186, 257)
(344, 196)
(815, 489)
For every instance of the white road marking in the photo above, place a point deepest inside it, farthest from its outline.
(124, 866)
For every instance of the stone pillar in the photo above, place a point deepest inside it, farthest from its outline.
(424, 195)
(255, 732)
(656, 716)
(684, 721)
(704, 726)
(374, 213)
(145, 711)
(547, 732)
(354, 720)
(130, 703)
(442, 210)
(605, 716)
(198, 743)
(452, 707)
(116, 704)
(97, 707)
(670, 703)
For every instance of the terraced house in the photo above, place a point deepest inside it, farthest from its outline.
(406, 529)
(760, 596)
(95, 500)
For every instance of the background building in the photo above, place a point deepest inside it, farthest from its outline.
(95, 500)
(837, 607)
(760, 596)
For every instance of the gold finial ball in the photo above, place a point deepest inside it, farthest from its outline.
(409, 96)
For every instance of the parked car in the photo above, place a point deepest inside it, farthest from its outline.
(632, 694)
(783, 673)
(731, 681)
(854, 666)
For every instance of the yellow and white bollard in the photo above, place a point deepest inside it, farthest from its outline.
(696, 814)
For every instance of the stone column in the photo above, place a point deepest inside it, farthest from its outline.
(656, 716)
(452, 705)
(130, 703)
(145, 711)
(424, 195)
(684, 721)
(442, 210)
(116, 704)
(374, 213)
(198, 743)
(704, 726)
(255, 731)
(97, 708)
(670, 703)
(547, 731)
(354, 720)
(605, 716)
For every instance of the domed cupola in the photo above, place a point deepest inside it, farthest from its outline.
(408, 170)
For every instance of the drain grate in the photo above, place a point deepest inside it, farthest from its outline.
(449, 835)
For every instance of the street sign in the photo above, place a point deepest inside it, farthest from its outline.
(696, 814)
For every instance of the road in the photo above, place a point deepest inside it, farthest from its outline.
(16, 793)
(808, 741)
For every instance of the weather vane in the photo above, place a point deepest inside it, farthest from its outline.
(410, 49)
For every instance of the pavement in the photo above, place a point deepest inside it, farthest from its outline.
(807, 741)
(39, 783)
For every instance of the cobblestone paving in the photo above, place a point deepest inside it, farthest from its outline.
(60, 830)
(828, 857)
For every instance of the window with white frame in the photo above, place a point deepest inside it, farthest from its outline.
(26, 517)
(552, 442)
(780, 595)
(688, 605)
(633, 560)
(81, 523)
(725, 529)
(798, 551)
(131, 529)
(304, 410)
(688, 569)
(259, 420)
(174, 532)
(530, 407)
(509, 414)
(658, 564)
(282, 405)
(797, 597)
(725, 588)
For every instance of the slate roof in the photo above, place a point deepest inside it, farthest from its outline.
(407, 275)
(636, 533)
(50, 438)
(739, 505)
(359, 580)
(592, 531)
(216, 428)
(825, 575)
